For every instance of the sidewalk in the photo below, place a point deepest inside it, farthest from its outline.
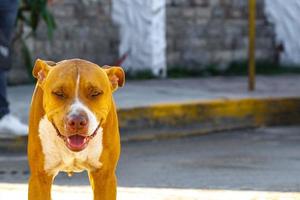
(149, 92)
(154, 109)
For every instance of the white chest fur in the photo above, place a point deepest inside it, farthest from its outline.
(59, 158)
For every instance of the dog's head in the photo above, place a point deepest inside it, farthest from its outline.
(77, 97)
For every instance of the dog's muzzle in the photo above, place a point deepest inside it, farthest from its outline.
(76, 142)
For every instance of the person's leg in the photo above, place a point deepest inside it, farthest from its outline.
(8, 123)
(4, 110)
(8, 13)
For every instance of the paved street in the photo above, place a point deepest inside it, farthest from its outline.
(228, 163)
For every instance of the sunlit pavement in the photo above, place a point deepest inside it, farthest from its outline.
(19, 191)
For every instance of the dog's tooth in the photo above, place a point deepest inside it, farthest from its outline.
(70, 174)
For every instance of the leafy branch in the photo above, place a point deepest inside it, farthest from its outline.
(30, 14)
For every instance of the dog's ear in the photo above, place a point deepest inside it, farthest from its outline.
(41, 69)
(116, 75)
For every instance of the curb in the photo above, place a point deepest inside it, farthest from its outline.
(194, 118)
(202, 117)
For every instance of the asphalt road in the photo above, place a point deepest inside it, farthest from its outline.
(265, 159)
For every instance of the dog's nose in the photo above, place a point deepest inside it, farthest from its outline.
(77, 122)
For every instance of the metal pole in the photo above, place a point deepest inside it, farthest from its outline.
(251, 49)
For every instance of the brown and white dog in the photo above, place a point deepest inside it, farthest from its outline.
(73, 126)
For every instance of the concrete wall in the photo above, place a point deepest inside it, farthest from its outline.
(84, 30)
(214, 32)
(199, 33)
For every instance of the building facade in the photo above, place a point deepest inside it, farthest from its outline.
(198, 33)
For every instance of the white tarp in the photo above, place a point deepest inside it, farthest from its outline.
(142, 33)
(285, 15)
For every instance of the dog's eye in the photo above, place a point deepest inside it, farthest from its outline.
(59, 94)
(96, 93)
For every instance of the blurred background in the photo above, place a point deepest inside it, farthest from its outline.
(170, 37)
(211, 106)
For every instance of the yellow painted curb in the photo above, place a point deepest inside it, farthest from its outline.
(195, 118)
(181, 119)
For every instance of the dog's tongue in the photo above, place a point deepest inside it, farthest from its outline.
(76, 142)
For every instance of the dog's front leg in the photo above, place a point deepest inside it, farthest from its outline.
(104, 185)
(40, 187)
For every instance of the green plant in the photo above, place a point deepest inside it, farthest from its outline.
(263, 67)
(141, 74)
(237, 68)
(30, 14)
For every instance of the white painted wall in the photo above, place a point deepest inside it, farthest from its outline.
(142, 33)
(285, 14)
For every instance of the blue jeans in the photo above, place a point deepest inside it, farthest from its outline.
(8, 13)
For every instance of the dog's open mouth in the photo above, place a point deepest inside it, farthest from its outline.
(76, 142)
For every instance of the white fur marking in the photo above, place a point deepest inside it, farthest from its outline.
(76, 107)
(77, 86)
(59, 158)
